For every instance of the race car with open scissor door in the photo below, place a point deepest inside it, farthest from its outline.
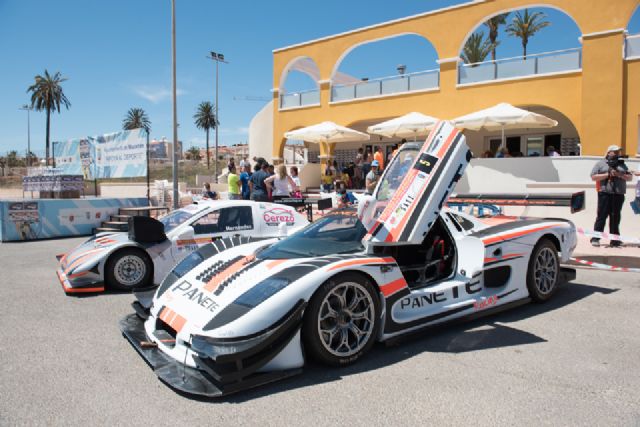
(140, 258)
(401, 262)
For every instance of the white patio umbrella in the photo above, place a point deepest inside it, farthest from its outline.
(326, 132)
(409, 125)
(503, 116)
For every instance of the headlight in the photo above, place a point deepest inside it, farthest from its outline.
(262, 291)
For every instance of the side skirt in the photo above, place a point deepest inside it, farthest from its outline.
(395, 340)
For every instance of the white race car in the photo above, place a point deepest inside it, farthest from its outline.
(142, 257)
(402, 262)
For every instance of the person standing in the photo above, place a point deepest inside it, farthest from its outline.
(379, 157)
(233, 183)
(293, 172)
(244, 180)
(257, 186)
(207, 193)
(611, 176)
(280, 184)
(372, 177)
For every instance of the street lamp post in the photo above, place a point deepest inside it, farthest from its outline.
(26, 108)
(217, 57)
(175, 109)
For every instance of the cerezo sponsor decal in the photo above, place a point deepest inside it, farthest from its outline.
(276, 216)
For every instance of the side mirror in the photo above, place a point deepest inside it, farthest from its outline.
(186, 234)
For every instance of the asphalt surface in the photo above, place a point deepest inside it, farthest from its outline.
(574, 360)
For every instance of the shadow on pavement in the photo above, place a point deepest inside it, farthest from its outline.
(481, 334)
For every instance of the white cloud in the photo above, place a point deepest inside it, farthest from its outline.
(155, 94)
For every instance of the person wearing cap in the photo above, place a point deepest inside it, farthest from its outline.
(611, 176)
(372, 177)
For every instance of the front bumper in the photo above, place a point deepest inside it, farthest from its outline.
(218, 374)
(71, 286)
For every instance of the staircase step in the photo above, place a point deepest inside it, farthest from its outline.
(116, 225)
(119, 217)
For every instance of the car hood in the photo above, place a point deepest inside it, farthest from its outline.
(88, 253)
(235, 293)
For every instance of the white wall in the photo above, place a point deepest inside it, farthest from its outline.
(261, 133)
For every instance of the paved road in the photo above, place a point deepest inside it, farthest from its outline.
(571, 361)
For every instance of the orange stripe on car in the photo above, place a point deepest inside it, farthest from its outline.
(224, 275)
(393, 287)
(85, 256)
(502, 258)
(68, 290)
(361, 261)
(272, 264)
(506, 236)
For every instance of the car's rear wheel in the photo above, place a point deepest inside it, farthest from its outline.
(128, 269)
(544, 271)
(342, 320)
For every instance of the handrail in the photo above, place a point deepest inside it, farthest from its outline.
(298, 92)
(633, 36)
(533, 55)
(379, 79)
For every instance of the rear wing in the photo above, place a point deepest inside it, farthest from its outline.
(575, 201)
(307, 204)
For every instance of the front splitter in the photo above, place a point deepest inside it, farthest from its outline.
(184, 378)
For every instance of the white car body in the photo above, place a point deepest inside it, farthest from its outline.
(83, 268)
(238, 318)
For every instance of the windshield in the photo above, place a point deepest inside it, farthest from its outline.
(175, 218)
(398, 169)
(338, 233)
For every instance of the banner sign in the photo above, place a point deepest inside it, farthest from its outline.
(48, 218)
(115, 155)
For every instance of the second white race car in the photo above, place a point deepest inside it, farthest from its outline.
(142, 257)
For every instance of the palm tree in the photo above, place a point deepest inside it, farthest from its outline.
(136, 118)
(494, 25)
(205, 119)
(527, 25)
(193, 153)
(47, 94)
(476, 49)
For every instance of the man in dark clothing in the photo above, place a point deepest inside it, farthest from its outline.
(256, 183)
(611, 176)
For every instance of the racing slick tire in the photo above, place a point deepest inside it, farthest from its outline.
(128, 269)
(342, 320)
(543, 273)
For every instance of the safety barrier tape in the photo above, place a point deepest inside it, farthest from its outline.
(608, 267)
(603, 235)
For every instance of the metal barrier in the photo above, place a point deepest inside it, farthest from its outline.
(422, 80)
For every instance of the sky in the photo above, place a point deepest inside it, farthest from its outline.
(116, 55)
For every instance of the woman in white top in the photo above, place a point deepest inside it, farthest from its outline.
(280, 185)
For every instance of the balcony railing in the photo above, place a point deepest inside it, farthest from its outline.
(541, 63)
(300, 99)
(632, 46)
(421, 80)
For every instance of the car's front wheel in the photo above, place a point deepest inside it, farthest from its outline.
(128, 269)
(543, 273)
(342, 320)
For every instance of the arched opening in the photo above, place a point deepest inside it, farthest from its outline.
(517, 43)
(632, 40)
(299, 83)
(402, 63)
(529, 142)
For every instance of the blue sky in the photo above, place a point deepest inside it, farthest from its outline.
(116, 55)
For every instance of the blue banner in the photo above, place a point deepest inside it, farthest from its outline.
(115, 155)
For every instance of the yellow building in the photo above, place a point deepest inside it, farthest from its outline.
(593, 91)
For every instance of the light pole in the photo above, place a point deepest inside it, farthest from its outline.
(175, 108)
(26, 108)
(217, 57)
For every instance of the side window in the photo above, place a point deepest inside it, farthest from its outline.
(208, 224)
(236, 219)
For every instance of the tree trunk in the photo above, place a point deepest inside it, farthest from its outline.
(524, 49)
(47, 136)
(208, 167)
